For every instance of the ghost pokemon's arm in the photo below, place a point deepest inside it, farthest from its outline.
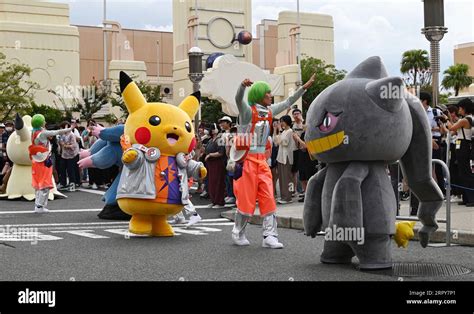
(107, 156)
(346, 210)
(112, 134)
(312, 214)
(417, 169)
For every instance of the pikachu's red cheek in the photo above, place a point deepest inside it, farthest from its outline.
(192, 145)
(142, 135)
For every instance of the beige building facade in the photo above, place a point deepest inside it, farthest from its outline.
(464, 53)
(39, 34)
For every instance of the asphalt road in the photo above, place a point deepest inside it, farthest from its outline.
(76, 245)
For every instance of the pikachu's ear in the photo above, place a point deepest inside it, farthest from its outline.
(191, 104)
(132, 96)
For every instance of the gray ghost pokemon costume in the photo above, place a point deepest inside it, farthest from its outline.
(357, 126)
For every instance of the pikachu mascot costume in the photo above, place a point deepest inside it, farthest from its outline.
(151, 185)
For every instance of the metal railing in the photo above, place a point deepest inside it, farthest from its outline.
(447, 221)
(447, 177)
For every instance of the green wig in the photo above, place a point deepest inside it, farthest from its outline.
(37, 121)
(257, 92)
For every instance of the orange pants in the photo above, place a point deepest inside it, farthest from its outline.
(42, 176)
(255, 184)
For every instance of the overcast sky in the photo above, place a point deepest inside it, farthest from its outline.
(362, 27)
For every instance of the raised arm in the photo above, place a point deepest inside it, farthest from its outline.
(286, 104)
(43, 136)
(245, 112)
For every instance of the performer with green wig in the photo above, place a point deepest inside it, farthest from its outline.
(255, 183)
(41, 168)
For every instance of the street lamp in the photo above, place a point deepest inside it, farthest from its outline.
(434, 31)
(195, 67)
(195, 75)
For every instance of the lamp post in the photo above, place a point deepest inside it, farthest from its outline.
(105, 44)
(195, 74)
(298, 43)
(195, 67)
(434, 31)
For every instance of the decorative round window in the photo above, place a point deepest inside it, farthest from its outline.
(221, 32)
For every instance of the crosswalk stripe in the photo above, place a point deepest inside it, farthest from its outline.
(210, 221)
(65, 224)
(91, 191)
(82, 233)
(190, 231)
(126, 233)
(52, 211)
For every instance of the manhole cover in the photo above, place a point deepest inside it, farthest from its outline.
(428, 270)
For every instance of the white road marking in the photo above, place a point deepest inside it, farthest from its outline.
(27, 237)
(64, 224)
(211, 222)
(82, 233)
(91, 191)
(89, 229)
(190, 231)
(55, 211)
(52, 211)
(205, 229)
(126, 233)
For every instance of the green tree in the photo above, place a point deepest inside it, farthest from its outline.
(90, 100)
(326, 75)
(415, 65)
(456, 77)
(444, 98)
(211, 110)
(52, 115)
(16, 90)
(152, 93)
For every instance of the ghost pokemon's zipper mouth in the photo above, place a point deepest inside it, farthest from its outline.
(326, 143)
(172, 138)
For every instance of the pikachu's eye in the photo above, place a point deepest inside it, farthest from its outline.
(187, 125)
(154, 120)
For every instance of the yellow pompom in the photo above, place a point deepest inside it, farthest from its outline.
(129, 156)
(404, 233)
(203, 172)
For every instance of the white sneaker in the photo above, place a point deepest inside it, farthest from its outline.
(230, 200)
(94, 186)
(217, 207)
(41, 210)
(226, 199)
(61, 187)
(194, 219)
(177, 220)
(240, 241)
(284, 202)
(271, 242)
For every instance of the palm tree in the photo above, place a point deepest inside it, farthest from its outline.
(414, 62)
(456, 76)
